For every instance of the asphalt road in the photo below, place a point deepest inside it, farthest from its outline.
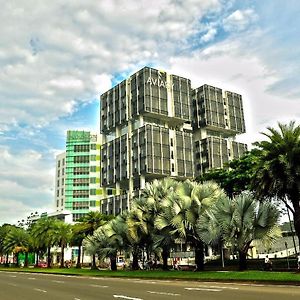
(29, 286)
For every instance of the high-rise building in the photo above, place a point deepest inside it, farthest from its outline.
(155, 125)
(77, 182)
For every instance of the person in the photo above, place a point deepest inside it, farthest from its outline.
(268, 264)
(298, 259)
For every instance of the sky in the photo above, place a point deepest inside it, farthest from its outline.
(57, 57)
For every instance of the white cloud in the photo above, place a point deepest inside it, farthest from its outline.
(240, 20)
(209, 35)
(52, 54)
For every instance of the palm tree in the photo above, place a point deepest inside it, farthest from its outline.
(140, 220)
(78, 235)
(278, 168)
(244, 219)
(62, 235)
(90, 222)
(4, 230)
(17, 241)
(182, 210)
(43, 232)
(108, 240)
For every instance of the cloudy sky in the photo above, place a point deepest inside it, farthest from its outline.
(57, 57)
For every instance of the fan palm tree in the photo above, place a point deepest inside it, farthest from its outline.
(108, 240)
(244, 219)
(89, 223)
(278, 168)
(182, 209)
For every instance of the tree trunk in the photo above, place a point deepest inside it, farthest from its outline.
(6, 263)
(48, 257)
(199, 255)
(62, 257)
(37, 259)
(78, 264)
(94, 267)
(135, 260)
(242, 260)
(297, 221)
(26, 260)
(113, 263)
(17, 259)
(165, 256)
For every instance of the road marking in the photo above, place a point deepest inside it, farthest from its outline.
(12, 284)
(39, 290)
(98, 286)
(203, 289)
(126, 297)
(76, 299)
(12, 276)
(58, 281)
(31, 278)
(218, 287)
(163, 293)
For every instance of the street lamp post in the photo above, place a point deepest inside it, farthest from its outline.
(287, 255)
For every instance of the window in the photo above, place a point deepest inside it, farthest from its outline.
(93, 157)
(57, 193)
(93, 168)
(92, 203)
(58, 183)
(58, 173)
(58, 164)
(109, 192)
(62, 171)
(62, 192)
(93, 192)
(63, 162)
(93, 180)
(57, 203)
(62, 181)
(93, 146)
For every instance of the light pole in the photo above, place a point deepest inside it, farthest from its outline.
(287, 255)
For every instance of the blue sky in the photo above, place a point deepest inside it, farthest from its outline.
(58, 57)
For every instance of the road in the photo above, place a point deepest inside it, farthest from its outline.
(30, 286)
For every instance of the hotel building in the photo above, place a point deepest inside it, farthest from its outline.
(155, 125)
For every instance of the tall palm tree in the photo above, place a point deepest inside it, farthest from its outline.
(278, 168)
(43, 231)
(78, 235)
(244, 219)
(182, 210)
(4, 230)
(90, 222)
(62, 235)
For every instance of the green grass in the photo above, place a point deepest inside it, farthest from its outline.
(256, 276)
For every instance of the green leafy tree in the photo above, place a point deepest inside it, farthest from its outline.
(78, 235)
(236, 176)
(278, 168)
(4, 230)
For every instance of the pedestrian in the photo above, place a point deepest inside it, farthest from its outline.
(268, 264)
(298, 260)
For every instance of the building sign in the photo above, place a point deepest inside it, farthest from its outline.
(158, 82)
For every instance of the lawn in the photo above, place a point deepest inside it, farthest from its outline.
(256, 276)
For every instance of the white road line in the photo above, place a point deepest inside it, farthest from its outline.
(163, 293)
(98, 286)
(76, 299)
(13, 276)
(31, 278)
(39, 290)
(12, 284)
(126, 297)
(203, 289)
(58, 281)
(218, 287)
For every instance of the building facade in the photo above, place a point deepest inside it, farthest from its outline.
(155, 125)
(77, 183)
